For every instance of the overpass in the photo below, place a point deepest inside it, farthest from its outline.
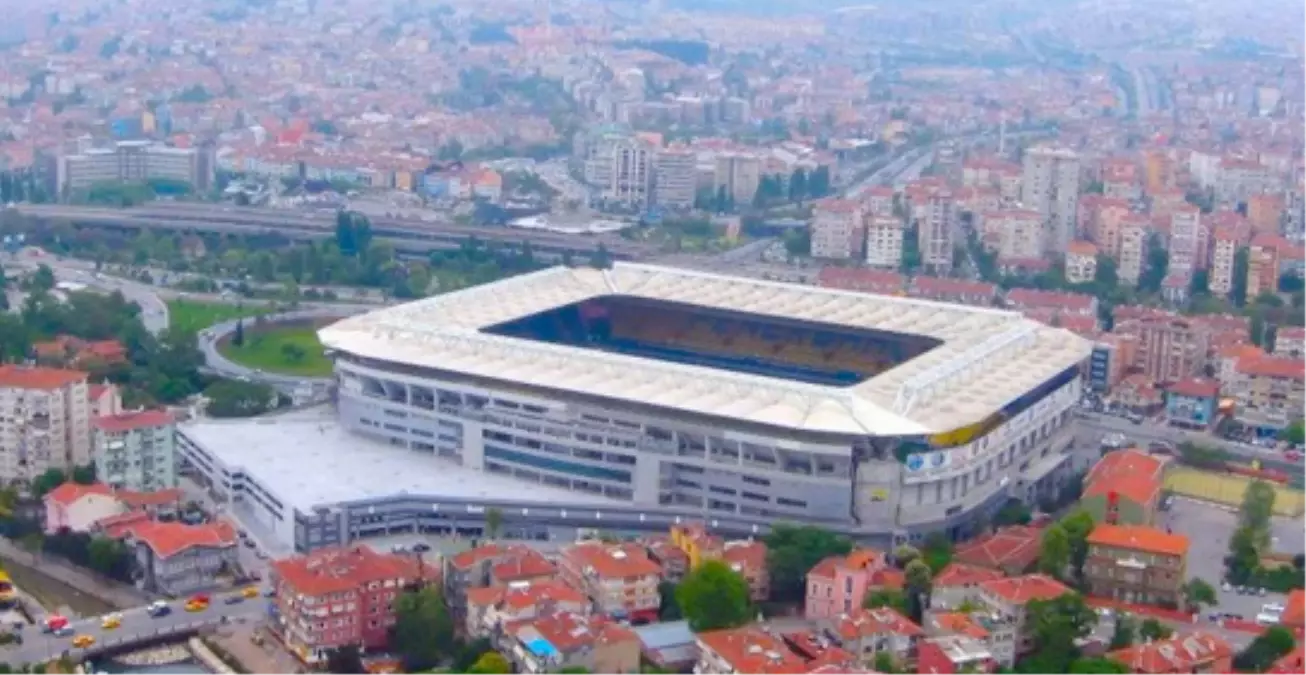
(408, 236)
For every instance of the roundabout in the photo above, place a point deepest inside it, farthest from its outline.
(280, 350)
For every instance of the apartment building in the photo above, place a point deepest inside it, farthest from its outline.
(1239, 179)
(958, 584)
(137, 450)
(954, 654)
(739, 174)
(1158, 170)
(1050, 186)
(1124, 488)
(867, 632)
(1265, 212)
(746, 557)
(1265, 258)
(339, 596)
(1133, 248)
(937, 230)
(1137, 564)
(838, 231)
(490, 608)
(631, 181)
(1015, 234)
(879, 200)
(675, 178)
(1170, 347)
(1268, 392)
(1113, 356)
(45, 421)
(490, 565)
(744, 650)
(1224, 248)
(1290, 342)
(134, 162)
(1081, 262)
(839, 584)
(1191, 652)
(884, 242)
(620, 580)
(1120, 179)
(1010, 597)
(1186, 241)
(566, 641)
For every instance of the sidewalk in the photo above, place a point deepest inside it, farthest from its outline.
(107, 590)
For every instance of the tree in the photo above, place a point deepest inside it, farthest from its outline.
(1238, 285)
(47, 481)
(792, 551)
(937, 552)
(1078, 526)
(423, 632)
(1087, 666)
(668, 608)
(1156, 266)
(798, 185)
(491, 663)
(1124, 633)
(1295, 433)
(1056, 624)
(1013, 512)
(238, 337)
(819, 184)
(1197, 593)
(43, 280)
(1244, 556)
(293, 353)
(918, 584)
(884, 663)
(1152, 630)
(574, 670)
(713, 596)
(1267, 648)
(345, 660)
(886, 597)
(1054, 552)
(1257, 505)
(904, 554)
(84, 475)
(493, 522)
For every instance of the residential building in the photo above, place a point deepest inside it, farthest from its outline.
(954, 654)
(1186, 241)
(1265, 212)
(879, 201)
(1075, 304)
(106, 400)
(819, 652)
(177, 558)
(994, 632)
(746, 650)
(1051, 187)
(1192, 402)
(1292, 663)
(739, 174)
(937, 231)
(490, 565)
(958, 584)
(1124, 488)
(1224, 249)
(838, 232)
(675, 178)
(1010, 598)
(1268, 392)
(620, 580)
(884, 242)
(746, 557)
(1113, 355)
(76, 507)
(1137, 564)
(631, 181)
(1263, 264)
(1170, 347)
(565, 640)
(669, 646)
(490, 608)
(1194, 652)
(1133, 249)
(74, 352)
(137, 450)
(1010, 550)
(867, 632)
(1290, 342)
(882, 282)
(339, 596)
(45, 421)
(1137, 393)
(1081, 262)
(839, 584)
(953, 290)
(1015, 234)
(134, 162)
(1239, 179)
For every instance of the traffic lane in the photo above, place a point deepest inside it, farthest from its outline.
(1145, 433)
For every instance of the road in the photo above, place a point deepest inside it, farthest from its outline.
(208, 343)
(137, 626)
(1142, 434)
(154, 311)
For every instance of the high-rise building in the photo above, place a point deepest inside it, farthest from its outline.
(936, 231)
(675, 178)
(136, 450)
(1015, 233)
(838, 232)
(884, 242)
(134, 162)
(631, 181)
(1133, 249)
(739, 174)
(45, 421)
(1185, 233)
(1223, 250)
(1051, 186)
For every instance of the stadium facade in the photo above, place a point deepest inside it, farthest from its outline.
(642, 393)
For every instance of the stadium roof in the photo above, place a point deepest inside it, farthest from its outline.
(988, 358)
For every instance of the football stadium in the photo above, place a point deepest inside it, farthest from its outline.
(642, 393)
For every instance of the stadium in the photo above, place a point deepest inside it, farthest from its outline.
(657, 392)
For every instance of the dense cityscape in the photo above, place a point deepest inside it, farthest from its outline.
(616, 336)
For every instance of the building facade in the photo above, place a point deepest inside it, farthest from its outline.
(1050, 186)
(135, 162)
(137, 450)
(45, 421)
(1137, 564)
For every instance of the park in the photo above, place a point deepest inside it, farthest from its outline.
(286, 348)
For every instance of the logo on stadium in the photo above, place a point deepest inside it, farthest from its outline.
(915, 463)
(939, 459)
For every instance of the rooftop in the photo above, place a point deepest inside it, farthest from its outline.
(1131, 474)
(1179, 654)
(1139, 538)
(133, 420)
(752, 650)
(1013, 547)
(961, 574)
(36, 377)
(319, 463)
(963, 380)
(337, 570)
(1021, 590)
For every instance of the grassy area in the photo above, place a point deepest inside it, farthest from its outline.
(1228, 489)
(285, 349)
(52, 593)
(192, 316)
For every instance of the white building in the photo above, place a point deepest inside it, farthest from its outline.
(134, 162)
(137, 450)
(1050, 186)
(45, 421)
(676, 178)
(884, 242)
(631, 180)
(837, 230)
(937, 230)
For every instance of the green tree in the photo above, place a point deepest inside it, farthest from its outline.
(819, 184)
(1295, 433)
(1090, 665)
(84, 474)
(1267, 648)
(104, 553)
(1244, 556)
(1155, 267)
(1257, 505)
(423, 633)
(491, 663)
(238, 336)
(886, 597)
(1199, 593)
(884, 663)
(713, 596)
(792, 552)
(1151, 630)
(1055, 625)
(493, 522)
(1078, 526)
(1124, 633)
(1238, 284)
(345, 660)
(668, 608)
(798, 185)
(1013, 512)
(903, 555)
(47, 481)
(937, 552)
(43, 280)
(1054, 552)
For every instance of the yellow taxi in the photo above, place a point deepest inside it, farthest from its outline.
(250, 592)
(83, 641)
(111, 621)
(196, 606)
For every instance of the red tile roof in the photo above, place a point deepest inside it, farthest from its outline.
(1196, 387)
(142, 500)
(337, 570)
(119, 526)
(1031, 297)
(751, 650)
(1021, 590)
(612, 562)
(522, 566)
(1294, 611)
(1179, 654)
(864, 623)
(852, 279)
(957, 623)
(70, 492)
(133, 420)
(569, 632)
(961, 574)
(1129, 473)
(533, 594)
(36, 377)
(169, 539)
(1273, 366)
(1139, 538)
(1293, 662)
(1013, 547)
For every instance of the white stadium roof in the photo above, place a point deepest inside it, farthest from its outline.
(988, 357)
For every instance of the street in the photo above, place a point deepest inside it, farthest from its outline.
(1101, 425)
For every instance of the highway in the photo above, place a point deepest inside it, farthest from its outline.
(1101, 425)
(137, 627)
(411, 236)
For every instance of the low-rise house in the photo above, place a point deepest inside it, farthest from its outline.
(68, 350)
(993, 630)
(1137, 564)
(954, 654)
(620, 580)
(490, 608)
(669, 646)
(1010, 550)
(490, 565)
(1010, 598)
(1124, 488)
(550, 643)
(177, 559)
(747, 557)
(77, 507)
(867, 632)
(745, 650)
(1196, 652)
(958, 584)
(839, 584)
(818, 651)
(1192, 402)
